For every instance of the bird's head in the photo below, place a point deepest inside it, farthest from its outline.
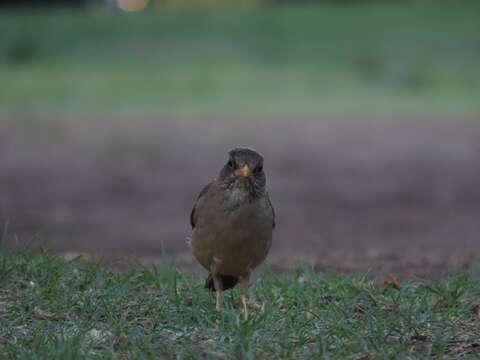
(244, 170)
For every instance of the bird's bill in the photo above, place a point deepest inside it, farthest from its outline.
(243, 171)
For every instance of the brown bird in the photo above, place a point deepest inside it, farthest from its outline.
(232, 221)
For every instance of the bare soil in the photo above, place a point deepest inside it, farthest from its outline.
(402, 197)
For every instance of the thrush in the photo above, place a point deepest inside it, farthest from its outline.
(233, 221)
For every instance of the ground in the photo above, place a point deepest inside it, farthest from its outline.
(398, 197)
(54, 309)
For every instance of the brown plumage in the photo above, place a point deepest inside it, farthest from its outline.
(232, 222)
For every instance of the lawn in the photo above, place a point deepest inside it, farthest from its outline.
(324, 61)
(54, 308)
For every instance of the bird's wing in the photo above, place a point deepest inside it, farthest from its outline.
(273, 211)
(193, 218)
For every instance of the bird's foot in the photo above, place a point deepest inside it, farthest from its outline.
(250, 305)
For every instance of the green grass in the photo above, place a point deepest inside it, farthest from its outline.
(391, 59)
(52, 308)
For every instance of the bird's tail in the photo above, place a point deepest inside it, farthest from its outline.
(228, 282)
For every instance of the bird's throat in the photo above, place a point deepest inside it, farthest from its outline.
(237, 195)
(240, 191)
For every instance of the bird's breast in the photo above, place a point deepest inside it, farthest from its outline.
(233, 230)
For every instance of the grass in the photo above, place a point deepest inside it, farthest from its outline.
(53, 308)
(286, 61)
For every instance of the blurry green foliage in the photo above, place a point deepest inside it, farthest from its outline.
(20, 51)
(409, 57)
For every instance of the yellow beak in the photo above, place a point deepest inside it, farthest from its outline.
(243, 171)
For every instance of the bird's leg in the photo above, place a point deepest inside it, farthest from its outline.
(243, 289)
(217, 282)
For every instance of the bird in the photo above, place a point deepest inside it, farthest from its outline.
(232, 224)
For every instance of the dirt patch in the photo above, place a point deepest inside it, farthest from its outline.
(379, 197)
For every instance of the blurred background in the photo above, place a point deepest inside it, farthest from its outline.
(115, 113)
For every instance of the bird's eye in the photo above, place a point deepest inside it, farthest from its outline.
(230, 164)
(259, 168)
